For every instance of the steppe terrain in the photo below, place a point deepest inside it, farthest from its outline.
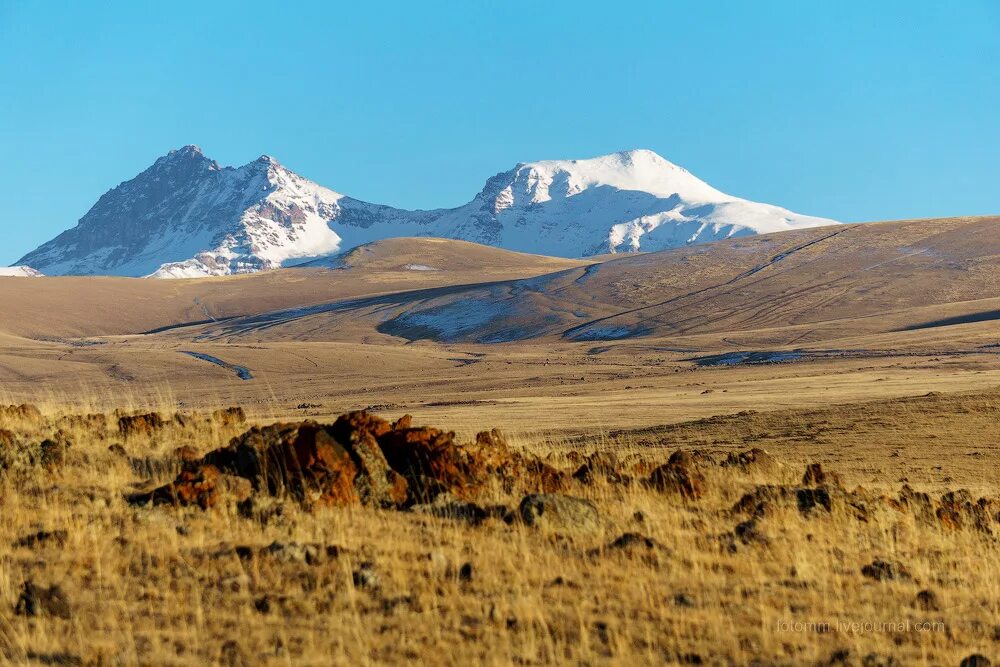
(665, 405)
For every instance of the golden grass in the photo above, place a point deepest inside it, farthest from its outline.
(171, 586)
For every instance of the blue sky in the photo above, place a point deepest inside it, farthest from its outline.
(851, 110)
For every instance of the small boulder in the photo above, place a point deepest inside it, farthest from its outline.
(198, 485)
(883, 570)
(749, 532)
(229, 416)
(813, 499)
(301, 460)
(42, 538)
(600, 467)
(447, 506)
(755, 460)
(679, 475)
(816, 476)
(975, 660)
(879, 660)
(366, 577)
(957, 509)
(431, 461)
(24, 414)
(927, 600)
(40, 601)
(560, 513)
(131, 426)
(762, 500)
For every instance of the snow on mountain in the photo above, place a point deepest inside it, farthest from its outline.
(623, 202)
(19, 272)
(186, 216)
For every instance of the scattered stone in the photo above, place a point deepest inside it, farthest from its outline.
(927, 600)
(447, 506)
(560, 513)
(131, 426)
(229, 416)
(877, 660)
(23, 413)
(39, 601)
(684, 600)
(432, 463)
(52, 453)
(633, 545)
(198, 485)
(630, 541)
(231, 654)
(359, 459)
(263, 509)
(366, 577)
(563, 581)
(957, 509)
(377, 483)
(749, 532)
(841, 657)
(810, 499)
(60, 658)
(919, 504)
(7, 439)
(816, 476)
(295, 552)
(762, 500)
(975, 660)
(754, 460)
(41, 538)
(883, 570)
(679, 475)
(300, 460)
(185, 454)
(601, 466)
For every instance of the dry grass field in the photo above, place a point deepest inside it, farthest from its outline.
(725, 557)
(665, 406)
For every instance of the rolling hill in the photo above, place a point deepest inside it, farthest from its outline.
(800, 287)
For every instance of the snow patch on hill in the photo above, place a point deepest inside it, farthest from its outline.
(19, 272)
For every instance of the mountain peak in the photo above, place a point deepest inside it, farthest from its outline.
(186, 216)
(188, 151)
(186, 157)
(639, 154)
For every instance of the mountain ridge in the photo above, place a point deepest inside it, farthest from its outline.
(186, 216)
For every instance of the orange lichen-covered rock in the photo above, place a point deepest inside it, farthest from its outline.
(140, 425)
(198, 485)
(431, 462)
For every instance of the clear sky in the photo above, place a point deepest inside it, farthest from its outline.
(851, 110)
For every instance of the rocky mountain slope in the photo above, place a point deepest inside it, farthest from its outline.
(186, 216)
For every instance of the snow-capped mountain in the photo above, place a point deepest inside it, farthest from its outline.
(19, 272)
(186, 216)
(623, 202)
